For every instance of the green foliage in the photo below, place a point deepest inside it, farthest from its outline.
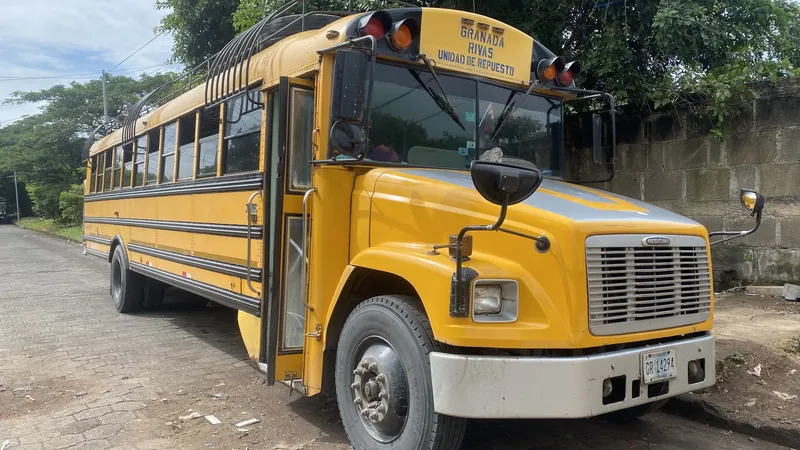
(251, 11)
(71, 205)
(45, 148)
(700, 54)
(199, 28)
(73, 233)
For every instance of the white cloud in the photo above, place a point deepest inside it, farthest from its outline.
(52, 38)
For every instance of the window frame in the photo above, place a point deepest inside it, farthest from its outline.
(199, 142)
(290, 189)
(179, 149)
(108, 170)
(258, 105)
(137, 163)
(163, 152)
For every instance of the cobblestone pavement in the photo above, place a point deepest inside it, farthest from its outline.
(75, 374)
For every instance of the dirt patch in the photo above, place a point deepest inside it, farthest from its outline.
(39, 396)
(758, 361)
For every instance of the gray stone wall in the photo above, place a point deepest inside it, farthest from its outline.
(671, 161)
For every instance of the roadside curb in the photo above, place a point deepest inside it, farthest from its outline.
(693, 408)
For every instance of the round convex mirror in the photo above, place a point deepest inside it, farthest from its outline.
(347, 138)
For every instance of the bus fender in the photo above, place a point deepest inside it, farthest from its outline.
(397, 265)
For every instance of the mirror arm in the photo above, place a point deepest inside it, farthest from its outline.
(734, 234)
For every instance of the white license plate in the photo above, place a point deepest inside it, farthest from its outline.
(659, 365)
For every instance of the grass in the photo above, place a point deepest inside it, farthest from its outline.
(50, 227)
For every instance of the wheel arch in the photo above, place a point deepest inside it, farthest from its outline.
(117, 241)
(367, 277)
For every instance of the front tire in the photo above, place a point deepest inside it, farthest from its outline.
(127, 287)
(383, 379)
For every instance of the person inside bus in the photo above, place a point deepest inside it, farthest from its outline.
(383, 152)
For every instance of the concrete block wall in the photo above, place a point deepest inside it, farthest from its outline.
(671, 161)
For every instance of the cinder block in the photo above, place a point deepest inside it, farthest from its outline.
(708, 184)
(790, 232)
(765, 236)
(685, 154)
(752, 148)
(716, 152)
(655, 157)
(777, 112)
(780, 180)
(663, 186)
(743, 178)
(627, 184)
(789, 144)
(635, 157)
(777, 266)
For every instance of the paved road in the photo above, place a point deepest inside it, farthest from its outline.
(75, 374)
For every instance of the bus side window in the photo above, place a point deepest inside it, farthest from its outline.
(93, 180)
(117, 167)
(138, 162)
(185, 158)
(168, 154)
(209, 143)
(242, 133)
(107, 171)
(99, 182)
(153, 141)
(127, 165)
(301, 125)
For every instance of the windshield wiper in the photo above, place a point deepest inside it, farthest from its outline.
(508, 110)
(440, 100)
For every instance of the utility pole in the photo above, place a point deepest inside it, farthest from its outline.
(16, 192)
(105, 104)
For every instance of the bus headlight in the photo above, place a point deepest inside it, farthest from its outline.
(495, 301)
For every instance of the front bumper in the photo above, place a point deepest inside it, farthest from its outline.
(493, 387)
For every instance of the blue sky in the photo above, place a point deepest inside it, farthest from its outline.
(49, 42)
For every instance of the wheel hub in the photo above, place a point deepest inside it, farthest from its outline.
(380, 391)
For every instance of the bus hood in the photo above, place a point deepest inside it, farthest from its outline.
(554, 201)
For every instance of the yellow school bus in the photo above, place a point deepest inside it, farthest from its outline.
(384, 198)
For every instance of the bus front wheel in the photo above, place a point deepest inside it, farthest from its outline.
(383, 379)
(127, 287)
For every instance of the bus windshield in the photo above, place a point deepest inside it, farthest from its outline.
(409, 126)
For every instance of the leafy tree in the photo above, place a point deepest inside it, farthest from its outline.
(700, 54)
(71, 205)
(200, 28)
(45, 148)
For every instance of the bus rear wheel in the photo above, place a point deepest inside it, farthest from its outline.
(127, 287)
(383, 379)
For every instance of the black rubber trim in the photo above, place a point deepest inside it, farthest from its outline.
(191, 227)
(97, 240)
(98, 253)
(213, 293)
(248, 182)
(224, 268)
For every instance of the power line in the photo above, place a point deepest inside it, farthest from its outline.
(138, 49)
(74, 75)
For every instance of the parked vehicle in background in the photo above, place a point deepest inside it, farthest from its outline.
(3, 210)
(384, 198)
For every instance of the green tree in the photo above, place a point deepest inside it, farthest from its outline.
(700, 54)
(45, 148)
(199, 28)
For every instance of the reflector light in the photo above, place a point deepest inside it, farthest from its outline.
(403, 34)
(375, 24)
(567, 76)
(547, 69)
(373, 28)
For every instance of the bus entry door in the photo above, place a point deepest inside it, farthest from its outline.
(289, 179)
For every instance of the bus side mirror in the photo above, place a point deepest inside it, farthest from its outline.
(597, 140)
(349, 85)
(753, 203)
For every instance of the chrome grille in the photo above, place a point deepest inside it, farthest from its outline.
(633, 287)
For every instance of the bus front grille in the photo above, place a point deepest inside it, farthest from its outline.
(633, 287)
